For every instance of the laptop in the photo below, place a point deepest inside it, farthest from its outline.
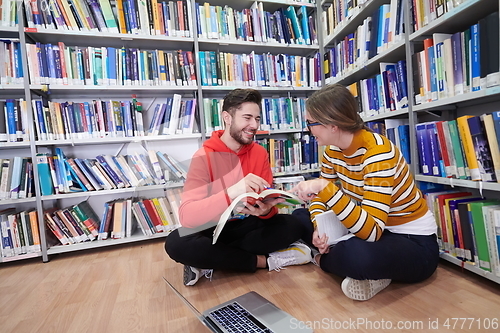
(247, 313)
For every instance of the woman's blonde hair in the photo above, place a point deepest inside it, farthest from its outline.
(335, 105)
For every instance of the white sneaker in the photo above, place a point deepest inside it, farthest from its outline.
(362, 290)
(192, 275)
(297, 254)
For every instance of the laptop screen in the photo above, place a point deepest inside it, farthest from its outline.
(192, 308)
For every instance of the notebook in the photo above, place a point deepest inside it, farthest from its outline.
(247, 313)
(328, 223)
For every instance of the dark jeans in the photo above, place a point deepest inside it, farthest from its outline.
(400, 257)
(238, 245)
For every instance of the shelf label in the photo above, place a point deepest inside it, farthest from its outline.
(493, 90)
(30, 29)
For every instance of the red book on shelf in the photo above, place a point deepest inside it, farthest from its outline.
(153, 214)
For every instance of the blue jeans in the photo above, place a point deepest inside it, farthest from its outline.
(400, 257)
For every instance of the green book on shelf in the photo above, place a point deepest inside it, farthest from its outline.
(479, 231)
(462, 168)
(109, 17)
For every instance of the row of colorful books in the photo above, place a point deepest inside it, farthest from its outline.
(19, 232)
(16, 178)
(103, 66)
(294, 154)
(175, 116)
(100, 119)
(259, 70)
(424, 12)
(465, 148)
(61, 174)
(122, 217)
(74, 224)
(14, 120)
(454, 64)
(377, 33)
(286, 25)
(468, 227)
(283, 113)
(384, 92)
(373, 37)
(121, 16)
(396, 130)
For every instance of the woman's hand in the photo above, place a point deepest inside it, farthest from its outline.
(320, 242)
(307, 190)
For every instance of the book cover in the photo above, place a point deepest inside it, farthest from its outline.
(468, 147)
(424, 149)
(491, 135)
(480, 236)
(481, 149)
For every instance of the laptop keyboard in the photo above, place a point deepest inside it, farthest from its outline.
(236, 319)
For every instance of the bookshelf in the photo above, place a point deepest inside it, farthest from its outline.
(150, 91)
(457, 19)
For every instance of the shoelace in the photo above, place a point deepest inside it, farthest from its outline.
(208, 274)
(282, 262)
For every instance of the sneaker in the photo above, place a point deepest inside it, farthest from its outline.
(362, 290)
(297, 254)
(192, 275)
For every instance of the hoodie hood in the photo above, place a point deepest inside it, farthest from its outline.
(217, 145)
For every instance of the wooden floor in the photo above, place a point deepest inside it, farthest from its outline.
(120, 289)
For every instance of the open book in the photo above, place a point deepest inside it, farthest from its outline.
(251, 198)
(328, 223)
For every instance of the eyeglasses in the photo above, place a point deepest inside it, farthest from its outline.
(309, 124)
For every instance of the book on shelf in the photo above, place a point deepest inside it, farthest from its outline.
(249, 199)
(169, 18)
(255, 24)
(480, 236)
(99, 66)
(62, 174)
(98, 119)
(18, 233)
(74, 224)
(482, 149)
(464, 245)
(468, 147)
(259, 70)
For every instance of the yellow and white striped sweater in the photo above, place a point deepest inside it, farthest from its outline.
(377, 188)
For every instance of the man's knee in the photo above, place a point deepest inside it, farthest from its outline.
(173, 246)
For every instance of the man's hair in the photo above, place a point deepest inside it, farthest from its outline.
(236, 97)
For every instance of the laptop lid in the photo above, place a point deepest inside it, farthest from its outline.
(206, 321)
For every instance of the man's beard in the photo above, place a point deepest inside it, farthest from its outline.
(237, 135)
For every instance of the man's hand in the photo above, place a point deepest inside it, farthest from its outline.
(307, 190)
(250, 183)
(260, 207)
(320, 242)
